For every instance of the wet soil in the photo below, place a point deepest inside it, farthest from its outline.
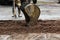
(46, 26)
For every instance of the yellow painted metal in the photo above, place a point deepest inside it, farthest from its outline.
(18, 2)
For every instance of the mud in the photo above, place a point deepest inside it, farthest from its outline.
(47, 26)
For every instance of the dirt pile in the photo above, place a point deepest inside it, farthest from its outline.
(47, 26)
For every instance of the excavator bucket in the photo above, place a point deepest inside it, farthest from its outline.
(33, 12)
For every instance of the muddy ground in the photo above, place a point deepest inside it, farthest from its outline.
(46, 26)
